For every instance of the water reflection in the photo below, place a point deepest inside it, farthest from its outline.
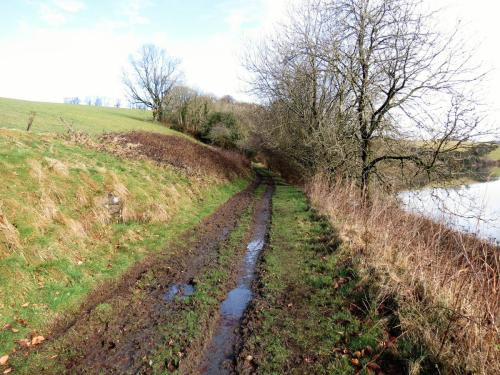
(472, 208)
(179, 290)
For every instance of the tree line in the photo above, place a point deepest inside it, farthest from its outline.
(154, 82)
(367, 90)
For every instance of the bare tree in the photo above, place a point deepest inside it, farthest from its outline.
(179, 101)
(99, 101)
(72, 100)
(369, 85)
(152, 77)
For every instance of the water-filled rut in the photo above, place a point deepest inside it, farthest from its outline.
(220, 354)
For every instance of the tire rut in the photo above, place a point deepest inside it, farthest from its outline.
(222, 349)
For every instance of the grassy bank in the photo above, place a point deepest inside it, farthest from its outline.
(15, 114)
(313, 313)
(73, 217)
(444, 284)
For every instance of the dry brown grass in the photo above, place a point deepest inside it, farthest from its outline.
(8, 233)
(445, 283)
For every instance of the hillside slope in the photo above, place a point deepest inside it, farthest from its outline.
(15, 114)
(72, 217)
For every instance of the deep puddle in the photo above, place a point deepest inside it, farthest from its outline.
(220, 354)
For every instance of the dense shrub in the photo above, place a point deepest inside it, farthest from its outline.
(221, 129)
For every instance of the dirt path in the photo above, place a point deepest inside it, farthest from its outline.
(118, 325)
(220, 355)
(216, 303)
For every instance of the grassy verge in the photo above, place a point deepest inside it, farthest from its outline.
(14, 114)
(59, 236)
(313, 314)
(443, 284)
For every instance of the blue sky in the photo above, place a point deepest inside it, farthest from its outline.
(51, 49)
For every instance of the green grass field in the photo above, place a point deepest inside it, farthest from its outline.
(494, 155)
(14, 114)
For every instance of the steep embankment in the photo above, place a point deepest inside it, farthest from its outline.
(73, 217)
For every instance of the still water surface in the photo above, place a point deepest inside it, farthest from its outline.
(471, 208)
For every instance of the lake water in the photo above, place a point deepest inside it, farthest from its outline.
(471, 208)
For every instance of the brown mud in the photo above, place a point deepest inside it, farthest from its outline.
(220, 354)
(117, 327)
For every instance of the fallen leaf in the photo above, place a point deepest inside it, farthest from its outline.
(15, 330)
(7, 327)
(3, 360)
(24, 343)
(53, 356)
(170, 366)
(25, 304)
(37, 340)
(355, 361)
(249, 358)
(357, 354)
(8, 371)
(373, 366)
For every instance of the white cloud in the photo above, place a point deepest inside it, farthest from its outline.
(51, 15)
(55, 13)
(88, 62)
(132, 11)
(70, 6)
(48, 65)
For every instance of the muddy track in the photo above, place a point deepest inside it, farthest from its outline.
(222, 347)
(97, 342)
